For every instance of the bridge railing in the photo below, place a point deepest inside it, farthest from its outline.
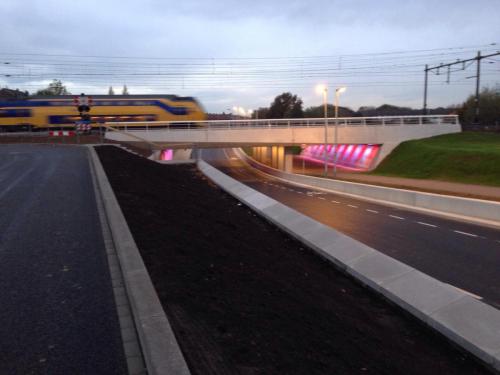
(427, 120)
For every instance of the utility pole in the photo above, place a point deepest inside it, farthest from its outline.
(425, 89)
(476, 99)
(478, 59)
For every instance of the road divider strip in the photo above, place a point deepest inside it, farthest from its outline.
(463, 319)
(158, 343)
(468, 209)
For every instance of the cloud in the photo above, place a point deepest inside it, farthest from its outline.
(259, 28)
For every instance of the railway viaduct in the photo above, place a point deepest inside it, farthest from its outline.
(269, 136)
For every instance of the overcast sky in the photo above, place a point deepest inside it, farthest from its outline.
(222, 37)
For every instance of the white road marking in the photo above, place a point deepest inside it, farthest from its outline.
(372, 211)
(350, 205)
(397, 217)
(465, 233)
(322, 198)
(300, 192)
(427, 224)
(335, 202)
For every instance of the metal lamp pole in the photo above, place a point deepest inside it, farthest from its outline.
(325, 91)
(338, 91)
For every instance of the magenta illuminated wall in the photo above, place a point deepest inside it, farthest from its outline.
(167, 154)
(349, 156)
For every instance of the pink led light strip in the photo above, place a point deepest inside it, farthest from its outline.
(350, 156)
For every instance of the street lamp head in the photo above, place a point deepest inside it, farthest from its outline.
(340, 90)
(321, 88)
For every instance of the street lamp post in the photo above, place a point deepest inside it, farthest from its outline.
(338, 91)
(324, 90)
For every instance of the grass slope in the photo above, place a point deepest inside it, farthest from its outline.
(463, 157)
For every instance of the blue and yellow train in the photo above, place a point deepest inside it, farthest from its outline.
(59, 112)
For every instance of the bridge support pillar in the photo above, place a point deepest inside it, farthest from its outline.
(288, 163)
(278, 157)
(260, 154)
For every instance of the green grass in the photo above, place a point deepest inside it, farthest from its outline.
(463, 157)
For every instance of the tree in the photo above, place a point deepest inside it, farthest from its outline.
(8, 94)
(489, 108)
(319, 111)
(111, 91)
(286, 105)
(55, 88)
(125, 90)
(260, 113)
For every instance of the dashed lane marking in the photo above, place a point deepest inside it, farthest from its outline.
(426, 224)
(352, 206)
(321, 198)
(465, 233)
(335, 201)
(372, 211)
(299, 192)
(397, 217)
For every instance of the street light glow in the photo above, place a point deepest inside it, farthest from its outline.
(321, 88)
(340, 90)
(240, 111)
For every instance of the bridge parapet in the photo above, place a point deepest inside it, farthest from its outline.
(427, 120)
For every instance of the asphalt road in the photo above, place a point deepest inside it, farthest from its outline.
(57, 313)
(464, 255)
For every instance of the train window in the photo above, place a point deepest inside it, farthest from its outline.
(15, 113)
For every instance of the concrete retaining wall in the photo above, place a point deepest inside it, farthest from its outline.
(471, 324)
(476, 210)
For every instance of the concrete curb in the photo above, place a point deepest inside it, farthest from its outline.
(159, 345)
(468, 209)
(473, 325)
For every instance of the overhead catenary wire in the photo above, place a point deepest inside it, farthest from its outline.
(97, 72)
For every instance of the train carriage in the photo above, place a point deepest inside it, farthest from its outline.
(59, 112)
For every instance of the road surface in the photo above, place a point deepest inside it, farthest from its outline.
(57, 312)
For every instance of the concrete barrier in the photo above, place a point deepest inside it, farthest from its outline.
(159, 345)
(474, 210)
(473, 325)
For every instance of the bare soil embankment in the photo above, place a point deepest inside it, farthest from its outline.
(245, 298)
